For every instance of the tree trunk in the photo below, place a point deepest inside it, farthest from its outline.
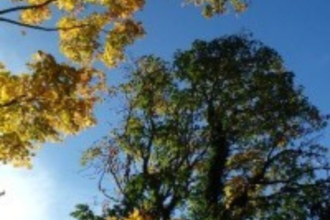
(219, 150)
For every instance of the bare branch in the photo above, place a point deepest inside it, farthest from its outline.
(102, 189)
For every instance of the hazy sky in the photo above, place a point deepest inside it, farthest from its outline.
(298, 29)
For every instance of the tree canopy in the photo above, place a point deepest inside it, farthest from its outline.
(222, 132)
(56, 98)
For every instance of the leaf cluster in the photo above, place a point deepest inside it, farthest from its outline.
(52, 101)
(95, 30)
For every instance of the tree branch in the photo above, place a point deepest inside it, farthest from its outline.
(102, 189)
(12, 102)
(36, 27)
(25, 7)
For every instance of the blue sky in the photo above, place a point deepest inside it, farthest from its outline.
(298, 30)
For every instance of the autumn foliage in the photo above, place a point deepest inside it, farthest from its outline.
(44, 105)
(91, 30)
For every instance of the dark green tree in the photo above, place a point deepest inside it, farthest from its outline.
(83, 212)
(222, 133)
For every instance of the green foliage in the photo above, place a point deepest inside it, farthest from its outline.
(222, 133)
(83, 212)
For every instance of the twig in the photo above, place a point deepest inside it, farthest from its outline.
(25, 7)
(41, 28)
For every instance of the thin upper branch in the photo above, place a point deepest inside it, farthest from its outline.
(25, 7)
(36, 27)
(41, 28)
(102, 189)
